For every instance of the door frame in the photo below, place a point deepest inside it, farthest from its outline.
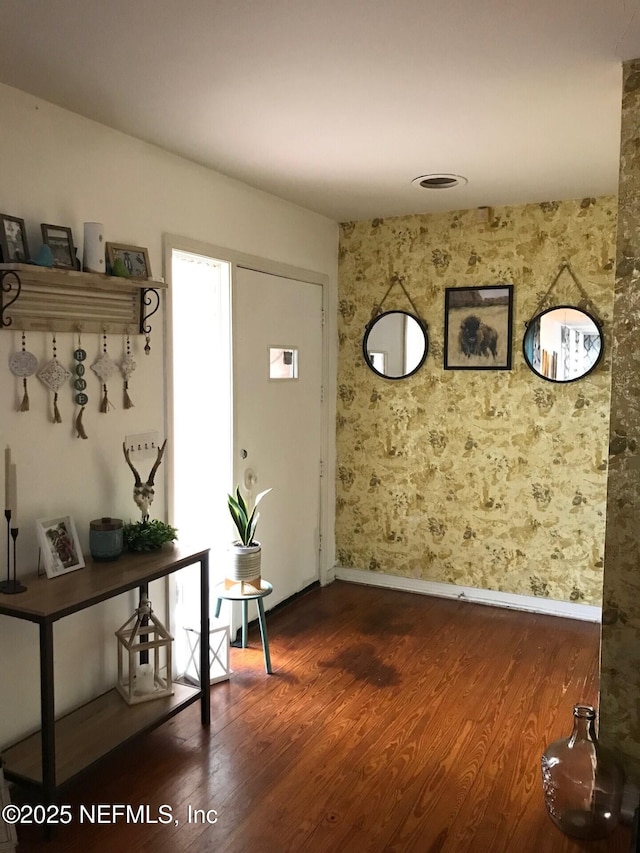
(287, 271)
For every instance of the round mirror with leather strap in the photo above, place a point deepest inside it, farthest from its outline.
(563, 344)
(395, 344)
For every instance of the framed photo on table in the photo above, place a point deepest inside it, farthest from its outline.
(59, 545)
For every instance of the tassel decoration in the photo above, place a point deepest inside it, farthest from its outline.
(80, 426)
(54, 375)
(127, 366)
(23, 364)
(56, 412)
(106, 404)
(80, 384)
(24, 405)
(127, 403)
(103, 368)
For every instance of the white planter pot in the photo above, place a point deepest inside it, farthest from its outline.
(244, 564)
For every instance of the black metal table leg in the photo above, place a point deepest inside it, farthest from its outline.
(205, 686)
(47, 714)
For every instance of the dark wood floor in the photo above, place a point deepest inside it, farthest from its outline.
(393, 722)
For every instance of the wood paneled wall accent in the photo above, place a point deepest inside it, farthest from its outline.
(620, 676)
(392, 722)
(488, 479)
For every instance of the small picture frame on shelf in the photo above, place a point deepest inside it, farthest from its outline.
(13, 240)
(134, 258)
(59, 545)
(60, 240)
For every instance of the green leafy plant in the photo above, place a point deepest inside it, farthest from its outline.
(245, 520)
(147, 535)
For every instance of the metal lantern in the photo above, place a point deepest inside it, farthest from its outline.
(219, 642)
(140, 641)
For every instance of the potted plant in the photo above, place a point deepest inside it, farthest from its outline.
(245, 552)
(148, 534)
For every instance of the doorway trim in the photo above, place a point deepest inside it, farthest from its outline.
(264, 265)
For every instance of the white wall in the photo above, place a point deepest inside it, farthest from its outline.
(59, 168)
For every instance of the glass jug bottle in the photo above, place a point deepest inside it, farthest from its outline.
(582, 783)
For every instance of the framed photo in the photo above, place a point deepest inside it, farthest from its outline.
(60, 240)
(59, 545)
(135, 259)
(477, 327)
(13, 240)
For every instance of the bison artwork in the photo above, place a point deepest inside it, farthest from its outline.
(476, 338)
(477, 327)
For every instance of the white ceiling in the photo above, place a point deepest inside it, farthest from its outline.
(337, 105)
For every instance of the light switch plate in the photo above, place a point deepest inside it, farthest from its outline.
(142, 445)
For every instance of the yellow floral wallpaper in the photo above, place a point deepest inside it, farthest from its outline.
(494, 479)
(620, 665)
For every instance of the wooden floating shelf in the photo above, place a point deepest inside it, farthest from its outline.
(92, 731)
(45, 299)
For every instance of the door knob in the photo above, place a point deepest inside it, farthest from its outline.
(243, 454)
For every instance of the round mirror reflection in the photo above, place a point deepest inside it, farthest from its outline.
(562, 344)
(395, 344)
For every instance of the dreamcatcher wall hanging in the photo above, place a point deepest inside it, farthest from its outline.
(23, 364)
(54, 375)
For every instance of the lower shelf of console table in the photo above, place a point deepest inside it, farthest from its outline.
(91, 732)
(66, 746)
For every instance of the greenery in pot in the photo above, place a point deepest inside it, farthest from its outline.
(244, 519)
(147, 535)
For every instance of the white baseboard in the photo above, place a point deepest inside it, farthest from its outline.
(328, 576)
(530, 603)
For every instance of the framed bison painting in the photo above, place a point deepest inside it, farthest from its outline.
(477, 327)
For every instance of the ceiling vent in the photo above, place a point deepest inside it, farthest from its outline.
(440, 181)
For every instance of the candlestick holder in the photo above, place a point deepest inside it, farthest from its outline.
(12, 585)
(7, 515)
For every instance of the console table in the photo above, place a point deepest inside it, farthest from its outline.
(63, 748)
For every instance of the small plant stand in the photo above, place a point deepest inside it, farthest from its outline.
(246, 593)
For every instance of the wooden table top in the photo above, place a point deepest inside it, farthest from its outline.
(47, 600)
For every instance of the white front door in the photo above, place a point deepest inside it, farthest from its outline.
(277, 381)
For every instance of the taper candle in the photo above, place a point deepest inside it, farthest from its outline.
(7, 478)
(13, 493)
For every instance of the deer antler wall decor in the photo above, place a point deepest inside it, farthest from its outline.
(143, 493)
